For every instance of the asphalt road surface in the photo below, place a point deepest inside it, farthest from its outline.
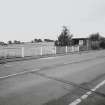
(37, 82)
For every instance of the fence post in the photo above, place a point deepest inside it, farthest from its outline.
(5, 53)
(87, 43)
(22, 51)
(41, 51)
(72, 48)
(55, 50)
(78, 48)
(66, 49)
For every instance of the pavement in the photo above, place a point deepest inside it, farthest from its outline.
(56, 80)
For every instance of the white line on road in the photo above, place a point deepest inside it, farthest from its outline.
(7, 65)
(79, 100)
(24, 72)
(3, 77)
(49, 58)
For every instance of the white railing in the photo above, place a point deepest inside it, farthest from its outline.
(35, 50)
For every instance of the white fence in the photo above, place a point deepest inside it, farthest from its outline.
(35, 51)
(7, 52)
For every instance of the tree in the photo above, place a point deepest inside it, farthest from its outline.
(2, 43)
(37, 40)
(9, 42)
(56, 43)
(48, 40)
(17, 42)
(65, 38)
(32, 41)
(102, 43)
(95, 40)
(94, 37)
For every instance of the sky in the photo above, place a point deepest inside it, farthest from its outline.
(25, 20)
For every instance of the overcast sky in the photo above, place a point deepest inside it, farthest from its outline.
(27, 19)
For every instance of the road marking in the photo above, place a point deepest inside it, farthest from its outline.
(79, 100)
(8, 65)
(3, 77)
(49, 58)
(21, 73)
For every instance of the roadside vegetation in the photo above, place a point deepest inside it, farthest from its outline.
(97, 41)
(65, 38)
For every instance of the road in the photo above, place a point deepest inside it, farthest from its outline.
(40, 81)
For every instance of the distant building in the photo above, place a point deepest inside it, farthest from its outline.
(80, 41)
(84, 43)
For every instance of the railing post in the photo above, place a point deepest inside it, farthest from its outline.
(66, 49)
(22, 51)
(41, 51)
(78, 48)
(5, 53)
(55, 50)
(87, 43)
(72, 48)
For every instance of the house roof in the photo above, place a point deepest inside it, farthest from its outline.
(80, 38)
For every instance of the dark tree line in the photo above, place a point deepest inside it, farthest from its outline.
(40, 40)
(48, 40)
(36, 40)
(3, 43)
(14, 42)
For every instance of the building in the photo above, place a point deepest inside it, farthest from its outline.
(80, 41)
(84, 43)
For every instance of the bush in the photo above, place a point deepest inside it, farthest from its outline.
(95, 41)
(56, 43)
(95, 45)
(102, 43)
